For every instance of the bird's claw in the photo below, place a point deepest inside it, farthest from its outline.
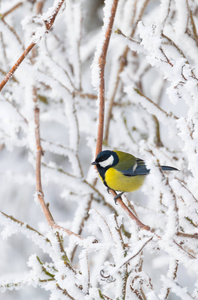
(117, 196)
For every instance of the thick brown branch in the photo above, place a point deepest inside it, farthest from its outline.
(39, 189)
(39, 153)
(102, 62)
(22, 224)
(129, 212)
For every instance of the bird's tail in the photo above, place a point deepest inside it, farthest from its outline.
(166, 168)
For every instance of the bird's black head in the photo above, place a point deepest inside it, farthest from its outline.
(106, 159)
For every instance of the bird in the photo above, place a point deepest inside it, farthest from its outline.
(121, 171)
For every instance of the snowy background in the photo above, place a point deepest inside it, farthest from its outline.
(151, 111)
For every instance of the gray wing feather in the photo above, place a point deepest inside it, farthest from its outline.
(138, 169)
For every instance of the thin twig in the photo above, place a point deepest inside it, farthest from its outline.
(16, 109)
(39, 153)
(39, 189)
(23, 224)
(67, 231)
(174, 275)
(11, 10)
(168, 115)
(188, 235)
(138, 252)
(170, 42)
(14, 68)
(167, 15)
(129, 212)
(48, 23)
(13, 32)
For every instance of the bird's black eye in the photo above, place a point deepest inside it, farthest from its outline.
(103, 159)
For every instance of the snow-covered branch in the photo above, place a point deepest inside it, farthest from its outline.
(79, 70)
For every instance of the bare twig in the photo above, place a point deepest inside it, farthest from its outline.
(188, 235)
(167, 15)
(39, 153)
(170, 42)
(67, 231)
(14, 68)
(129, 212)
(137, 253)
(48, 23)
(22, 224)
(39, 189)
(11, 10)
(13, 31)
(102, 62)
(168, 115)
(16, 109)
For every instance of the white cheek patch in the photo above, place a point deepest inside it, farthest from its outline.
(108, 162)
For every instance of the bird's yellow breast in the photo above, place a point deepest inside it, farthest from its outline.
(119, 182)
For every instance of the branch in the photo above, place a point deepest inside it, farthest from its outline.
(188, 235)
(39, 150)
(48, 23)
(101, 97)
(50, 20)
(138, 252)
(172, 276)
(23, 225)
(14, 68)
(11, 10)
(102, 62)
(153, 104)
(39, 189)
(129, 212)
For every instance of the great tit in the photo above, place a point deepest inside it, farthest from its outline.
(121, 171)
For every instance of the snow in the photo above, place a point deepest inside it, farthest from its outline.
(154, 117)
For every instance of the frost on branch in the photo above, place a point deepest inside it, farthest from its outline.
(73, 241)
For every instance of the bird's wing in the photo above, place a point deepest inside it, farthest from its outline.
(137, 168)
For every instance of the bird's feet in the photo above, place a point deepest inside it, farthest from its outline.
(108, 190)
(117, 196)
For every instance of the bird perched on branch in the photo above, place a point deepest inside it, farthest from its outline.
(121, 171)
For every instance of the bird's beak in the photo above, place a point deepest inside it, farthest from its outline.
(94, 163)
